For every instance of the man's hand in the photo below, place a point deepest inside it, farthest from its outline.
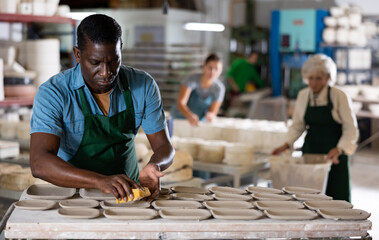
(333, 155)
(149, 177)
(120, 185)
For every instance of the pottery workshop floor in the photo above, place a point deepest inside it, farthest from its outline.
(365, 187)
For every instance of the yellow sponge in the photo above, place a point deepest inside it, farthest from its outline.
(138, 194)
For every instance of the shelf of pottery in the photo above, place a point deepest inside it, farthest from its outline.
(168, 65)
(346, 37)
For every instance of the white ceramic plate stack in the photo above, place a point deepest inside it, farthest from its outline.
(238, 154)
(211, 151)
(43, 57)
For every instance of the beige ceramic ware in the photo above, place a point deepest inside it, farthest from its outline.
(297, 190)
(184, 214)
(228, 204)
(311, 197)
(35, 204)
(185, 189)
(191, 196)
(81, 213)
(292, 214)
(130, 213)
(344, 214)
(264, 205)
(218, 189)
(95, 194)
(159, 204)
(231, 197)
(78, 203)
(163, 197)
(49, 191)
(165, 191)
(334, 204)
(110, 204)
(253, 189)
(236, 214)
(271, 197)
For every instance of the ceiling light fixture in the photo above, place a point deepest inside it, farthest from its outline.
(210, 27)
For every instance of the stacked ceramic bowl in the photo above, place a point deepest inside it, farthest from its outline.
(211, 151)
(43, 57)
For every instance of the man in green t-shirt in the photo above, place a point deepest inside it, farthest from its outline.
(243, 76)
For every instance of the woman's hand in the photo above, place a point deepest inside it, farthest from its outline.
(149, 177)
(280, 149)
(210, 116)
(333, 155)
(193, 119)
(119, 185)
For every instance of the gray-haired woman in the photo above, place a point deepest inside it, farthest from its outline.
(327, 115)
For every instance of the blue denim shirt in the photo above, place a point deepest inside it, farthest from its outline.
(57, 108)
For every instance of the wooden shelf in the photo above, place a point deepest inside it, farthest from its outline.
(23, 18)
(9, 102)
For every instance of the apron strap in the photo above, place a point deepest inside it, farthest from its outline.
(127, 93)
(85, 108)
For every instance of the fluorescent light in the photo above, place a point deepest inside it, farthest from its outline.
(211, 27)
(80, 15)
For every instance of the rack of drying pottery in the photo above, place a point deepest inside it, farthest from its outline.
(207, 213)
(168, 65)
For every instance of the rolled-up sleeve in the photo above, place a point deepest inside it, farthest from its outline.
(350, 133)
(154, 119)
(47, 111)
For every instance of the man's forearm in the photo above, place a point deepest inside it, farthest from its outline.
(163, 156)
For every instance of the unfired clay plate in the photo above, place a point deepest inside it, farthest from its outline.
(164, 191)
(184, 214)
(49, 191)
(130, 213)
(231, 197)
(236, 214)
(191, 196)
(185, 189)
(96, 194)
(311, 197)
(228, 204)
(295, 190)
(35, 204)
(292, 214)
(78, 203)
(218, 189)
(110, 204)
(263, 205)
(83, 213)
(344, 214)
(271, 197)
(252, 189)
(163, 197)
(159, 204)
(335, 204)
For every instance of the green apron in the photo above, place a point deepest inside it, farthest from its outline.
(323, 134)
(107, 146)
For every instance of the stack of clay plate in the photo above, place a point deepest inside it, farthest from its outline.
(43, 57)
(238, 154)
(211, 151)
(191, 145)
(9, 149)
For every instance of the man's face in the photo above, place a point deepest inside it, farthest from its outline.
(100, 64)
(317, 81)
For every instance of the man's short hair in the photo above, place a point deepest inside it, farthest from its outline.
(99, 29)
